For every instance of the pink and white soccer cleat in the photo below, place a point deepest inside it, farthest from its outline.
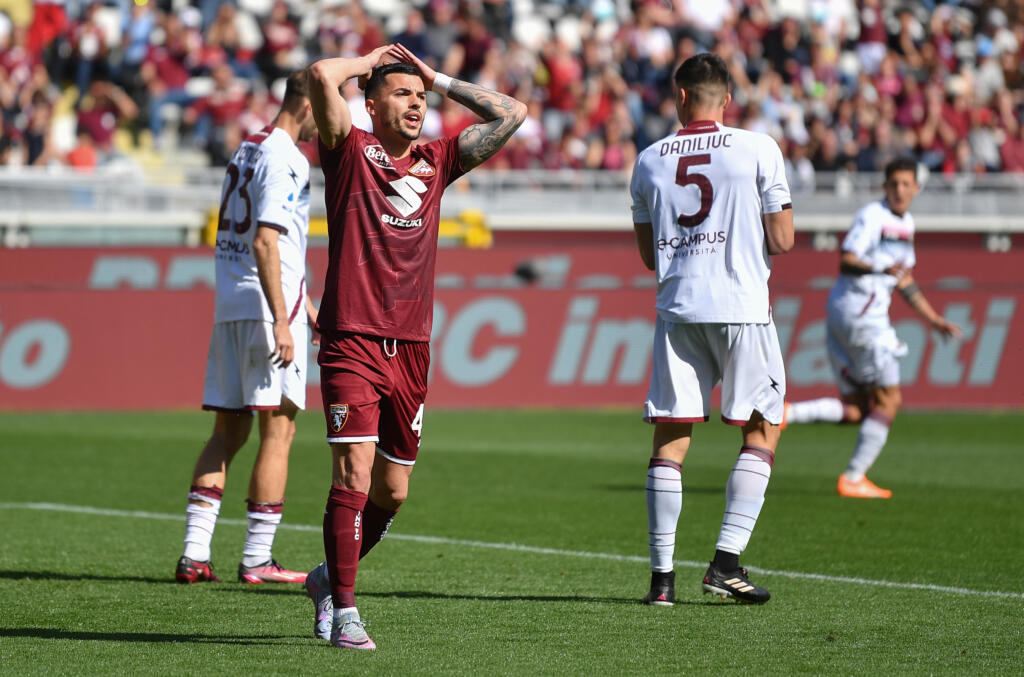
(318, 587)
(269, 572)
(350, 633)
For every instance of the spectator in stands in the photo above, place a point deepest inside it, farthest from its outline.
(166, 70)
(91, 50)
(83, 157)
(282, 52)
(100, 111)
(1012, 152)
(220, 108)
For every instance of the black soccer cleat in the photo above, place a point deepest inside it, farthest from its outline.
(733, 584)
(663, 589)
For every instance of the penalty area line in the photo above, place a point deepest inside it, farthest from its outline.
(516, 547)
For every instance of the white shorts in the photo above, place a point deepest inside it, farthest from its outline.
(863, 354)
(691, 359)
(239, 373)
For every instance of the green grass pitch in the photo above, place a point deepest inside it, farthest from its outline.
(522, 550)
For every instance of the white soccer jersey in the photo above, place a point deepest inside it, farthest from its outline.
(880, 238)
(266, 184)
(704, 191)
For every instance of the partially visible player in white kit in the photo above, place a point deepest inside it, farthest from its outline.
(710, 206)
(876, 257)
(257, 358)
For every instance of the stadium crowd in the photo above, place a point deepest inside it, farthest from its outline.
(841, 84)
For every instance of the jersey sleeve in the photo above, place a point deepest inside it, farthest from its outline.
(863, 236)
(448, 159)
(911, 256)
(277, 194)
(771, 177)
(641, 210)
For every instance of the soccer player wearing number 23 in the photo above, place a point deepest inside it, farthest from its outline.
(383, 195)
(710, 206)
(257, 359)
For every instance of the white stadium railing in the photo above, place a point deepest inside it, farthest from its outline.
(170, 206)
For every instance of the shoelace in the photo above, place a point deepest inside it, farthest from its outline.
(360, 624)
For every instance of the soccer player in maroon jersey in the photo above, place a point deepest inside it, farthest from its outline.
(383, 199)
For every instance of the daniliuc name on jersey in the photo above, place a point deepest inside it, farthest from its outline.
(693, 144)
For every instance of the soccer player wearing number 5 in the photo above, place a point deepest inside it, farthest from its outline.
(383, 198)
(876, 257)
(257, 358)
(710, 206)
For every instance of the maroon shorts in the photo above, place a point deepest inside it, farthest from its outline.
(374, 391)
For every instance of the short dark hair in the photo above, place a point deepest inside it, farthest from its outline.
(901, 164)
(377, 76)
(296, 90)
(704, 76)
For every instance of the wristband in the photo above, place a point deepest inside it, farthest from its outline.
(441, 83)
(909, 290)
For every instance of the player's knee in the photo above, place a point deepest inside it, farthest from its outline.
(390, 498)
(854, 413)
(889, 401)
(230, 440)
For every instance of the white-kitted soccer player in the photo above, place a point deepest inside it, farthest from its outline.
(257, 358)
(710, 206)
(877, 256)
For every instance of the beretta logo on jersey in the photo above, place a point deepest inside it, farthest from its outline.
(422, 168)
(378, 156)
(339, 416)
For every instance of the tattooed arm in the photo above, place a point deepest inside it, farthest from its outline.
(501, 114)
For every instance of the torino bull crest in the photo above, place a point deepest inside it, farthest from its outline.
(339, 416)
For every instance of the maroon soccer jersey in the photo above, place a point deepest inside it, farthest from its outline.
(382, 219)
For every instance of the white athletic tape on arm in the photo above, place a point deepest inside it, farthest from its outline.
(441, 83)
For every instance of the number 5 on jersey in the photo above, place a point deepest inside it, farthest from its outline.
(707, 192)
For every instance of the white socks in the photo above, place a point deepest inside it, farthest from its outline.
(874, 431)
(259, 537)
(744, 496)
(664, 503)
(200, 521)
(828, 409)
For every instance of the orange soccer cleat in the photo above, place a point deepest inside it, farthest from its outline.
(786, 406)
(862, 488)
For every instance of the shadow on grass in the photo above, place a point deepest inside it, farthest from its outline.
(62, 576)
(423, 594)
(240, 640)
(638, 488)
(790, 488)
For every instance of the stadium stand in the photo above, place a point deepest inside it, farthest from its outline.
(842, 85)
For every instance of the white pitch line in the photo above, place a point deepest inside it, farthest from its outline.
(516, 547)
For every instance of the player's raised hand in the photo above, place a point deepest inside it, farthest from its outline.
(949, 330)
(897, 270)
(401, 53)
(372, 59)
(284, 345)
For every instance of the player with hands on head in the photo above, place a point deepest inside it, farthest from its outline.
(876, 257)
(383, 194)
(710, 207)
(257, 357)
